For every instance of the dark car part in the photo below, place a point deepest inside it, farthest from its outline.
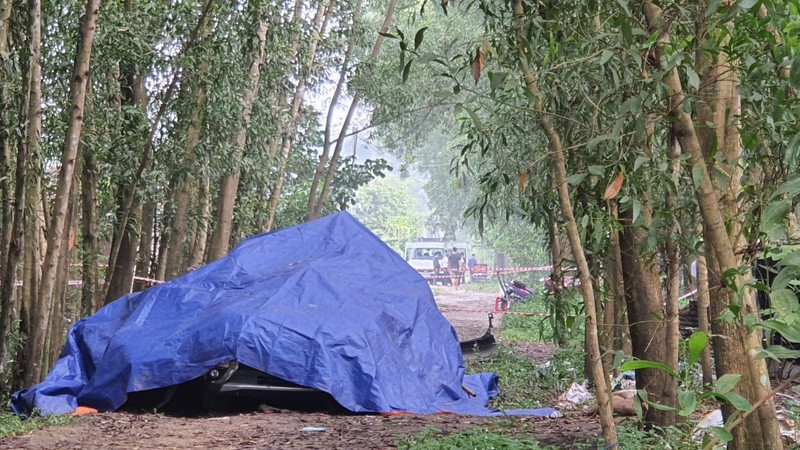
(483, 346)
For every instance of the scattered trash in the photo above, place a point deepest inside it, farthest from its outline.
(314, 429)
(576, 394)
(225, 419)
(626, 380)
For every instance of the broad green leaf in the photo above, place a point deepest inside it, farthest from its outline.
(637, 209)
(643, 364)
(785, 277)
(790, 188)
(697, 342)
(688, 402)
(737, 401)
(605, 56)
(726, 383)
(722, 434)
(784, 301)
(596, 170)
(774, 216)
(639, 161)
(574, 180)
(778, 352)
(790, 333)
(475, 119)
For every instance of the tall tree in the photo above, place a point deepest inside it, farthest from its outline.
(55, 243)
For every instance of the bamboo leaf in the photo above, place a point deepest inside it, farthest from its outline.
(477, 65)
(419, 37)
(522, 180)
(643, 364)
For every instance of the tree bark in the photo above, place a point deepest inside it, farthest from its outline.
(760, 430)
(78, 84)
(556, 278)
(599, 377)
(645, 307)
(220, 238)
(185, 183)
(326, 144)
(200, 226)
(703, 301)
(319, 24)
(337, 150)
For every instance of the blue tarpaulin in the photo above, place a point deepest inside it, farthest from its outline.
(324, 304)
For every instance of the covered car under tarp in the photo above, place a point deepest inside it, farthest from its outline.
(325, 304)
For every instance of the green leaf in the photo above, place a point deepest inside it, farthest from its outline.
(746, 4)
(688, 402)
(407, 70)
(793, 150)
(697, 343)
(697, 174)
(774, 217)
(605, 56)
(790, 188)
(574, 180)
(721, 434)
(475, 119)
(596, 170)
(726, 383)
(790, 333)
(419, 37)
(778, 352)
(644, 364)
(639, 161)
(737, 401)
(388, 35)
(692, 79)
(784, 301)
(785, 277)
(637, 209)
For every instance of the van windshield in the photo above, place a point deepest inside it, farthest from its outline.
(422, 253)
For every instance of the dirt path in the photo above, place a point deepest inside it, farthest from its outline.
(467, 311)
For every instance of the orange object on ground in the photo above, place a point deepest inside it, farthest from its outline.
(83, 410)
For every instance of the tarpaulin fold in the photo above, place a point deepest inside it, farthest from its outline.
(325, 304)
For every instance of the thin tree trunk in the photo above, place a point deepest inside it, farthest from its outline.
(319, 24)
(183, 191)
(334, 102)
(760, 430)
(645, 305)
(90, 245)
(337, 150)
(556, 278)
(144, 262)
(702, 317)
(200, 227)
(599, 377)
(673, 282)
(7, 246)
(145, 158)
(220, 238)
(78, 84)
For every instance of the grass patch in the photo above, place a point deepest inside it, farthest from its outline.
(11, 424)
(630, 436)
(519, 381)
(518, 328)
(434, 439)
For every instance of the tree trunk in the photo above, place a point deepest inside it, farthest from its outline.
(90, 245)
(220, 238)
(759, 430)
(185, 183)
(77, 92)
(144, 263)
(337, 150)
(9, 247)
(673, 281)
(556, 277)
(334, 102)
(599, 377)
(200, 227)
(320, 23)
(703, 301)
(645, 307)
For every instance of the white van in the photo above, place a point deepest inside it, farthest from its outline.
(419, 255)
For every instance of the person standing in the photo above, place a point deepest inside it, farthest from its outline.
(454, 264)
(471, 264)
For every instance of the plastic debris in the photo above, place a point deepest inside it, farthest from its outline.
(313, 429)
